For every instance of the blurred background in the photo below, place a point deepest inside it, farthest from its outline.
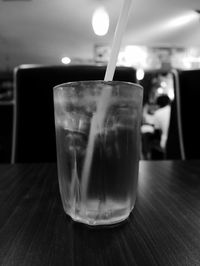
(161, 36)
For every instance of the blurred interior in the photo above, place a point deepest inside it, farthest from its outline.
(161, 37)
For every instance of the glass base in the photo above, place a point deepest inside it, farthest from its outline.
(98, 213)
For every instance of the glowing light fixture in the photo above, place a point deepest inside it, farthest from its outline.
(160, 90)
(140, 74)
(183, 20)
(135, 55)
(163, 84)
(100, 21)
(65, 60)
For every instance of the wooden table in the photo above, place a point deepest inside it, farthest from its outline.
(164, 228)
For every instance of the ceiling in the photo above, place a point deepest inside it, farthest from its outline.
(43, 31)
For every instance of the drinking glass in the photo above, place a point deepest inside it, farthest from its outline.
(98, 162)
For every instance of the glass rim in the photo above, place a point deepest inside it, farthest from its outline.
(112, 82)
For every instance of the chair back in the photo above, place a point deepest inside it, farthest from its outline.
(174, 145)
(34, 129)
(189, 83)
(187, 110)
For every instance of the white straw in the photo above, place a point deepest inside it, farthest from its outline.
(98, 118)
(121, 25)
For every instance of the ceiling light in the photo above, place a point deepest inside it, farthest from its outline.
(66, 60)
(100, 21)
(183, 20)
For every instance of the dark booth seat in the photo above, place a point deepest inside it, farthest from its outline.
(184, 131)
(189, 83)
(174, 145)
(34, 130)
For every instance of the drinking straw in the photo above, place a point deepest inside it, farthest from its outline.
(121, 25)
(98, 118)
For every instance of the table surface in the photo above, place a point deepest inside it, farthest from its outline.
(163, 229)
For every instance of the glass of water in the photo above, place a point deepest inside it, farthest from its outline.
(98, 148)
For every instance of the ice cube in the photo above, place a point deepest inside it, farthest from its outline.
(75, 141)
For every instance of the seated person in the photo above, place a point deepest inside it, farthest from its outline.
(155, 128)
(162, 117)
(148, 131)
